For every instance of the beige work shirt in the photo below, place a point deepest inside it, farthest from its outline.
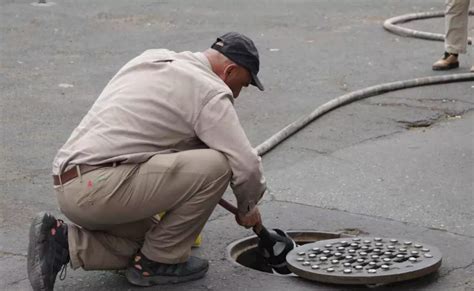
(163, 102)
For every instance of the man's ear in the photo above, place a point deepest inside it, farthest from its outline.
(229, 69)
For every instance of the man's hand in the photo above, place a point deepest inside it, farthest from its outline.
(249, 219)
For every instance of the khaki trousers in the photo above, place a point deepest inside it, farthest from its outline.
(456, 20)
(112, 208)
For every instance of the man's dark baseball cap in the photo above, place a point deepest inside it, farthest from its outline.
(242, 51)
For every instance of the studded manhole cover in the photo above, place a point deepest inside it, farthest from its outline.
(363, 260)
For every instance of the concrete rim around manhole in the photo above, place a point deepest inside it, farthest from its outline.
(238, 247)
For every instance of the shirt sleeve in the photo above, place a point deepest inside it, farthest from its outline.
(219, 127)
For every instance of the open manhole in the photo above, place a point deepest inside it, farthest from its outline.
(245, 253)
(343, 259)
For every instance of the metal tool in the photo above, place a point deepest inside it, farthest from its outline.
(274, 244)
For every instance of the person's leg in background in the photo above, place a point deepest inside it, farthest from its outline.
(455, 43)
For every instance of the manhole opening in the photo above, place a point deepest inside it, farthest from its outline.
(245, 253)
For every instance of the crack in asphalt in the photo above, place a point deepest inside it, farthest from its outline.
(4, 254)
(328, 153)
(272, 198)
(16, 282)
(394, 104)
(427, 121)
(324, 153)
(424, 122)
(373, 216)
(430, 121)
(448, 272)
(377, 137)
(444, 100)
(443, 115)
(459, 268)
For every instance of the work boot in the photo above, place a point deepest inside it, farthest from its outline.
(145, 272)
(447, 62)
(48, 251)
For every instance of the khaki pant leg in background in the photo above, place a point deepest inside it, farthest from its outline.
(456, 21)
(114, 208)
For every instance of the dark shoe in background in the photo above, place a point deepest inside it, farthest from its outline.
(48, 251)
(145, 272)
(447, 62)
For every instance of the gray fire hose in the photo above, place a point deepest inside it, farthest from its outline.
(345, 99)
(390, 25)
(290, 129)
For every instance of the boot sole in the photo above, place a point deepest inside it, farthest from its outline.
(35, 248)
(449, 67)
(133, 276)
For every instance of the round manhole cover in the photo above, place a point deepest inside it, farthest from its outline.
(363, 260)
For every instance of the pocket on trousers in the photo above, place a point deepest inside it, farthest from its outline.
(104, 184)
(93, 185)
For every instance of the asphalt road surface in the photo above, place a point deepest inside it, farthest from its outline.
(395, 165)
